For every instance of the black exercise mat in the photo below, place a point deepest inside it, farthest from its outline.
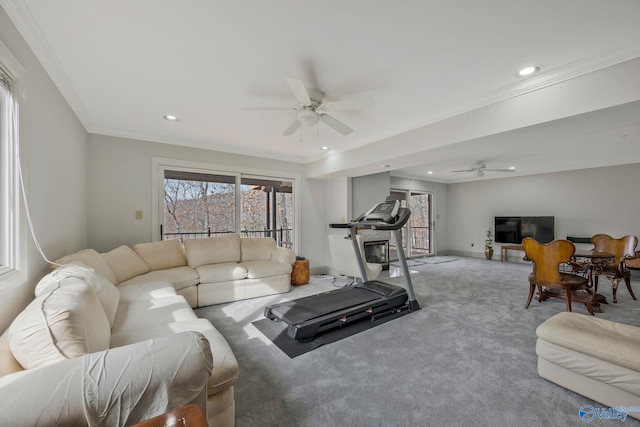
(277, 333)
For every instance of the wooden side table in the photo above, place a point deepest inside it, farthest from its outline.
(504, 251)
(300, 272)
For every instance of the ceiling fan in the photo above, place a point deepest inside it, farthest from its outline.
(311, 109)
(480, 168)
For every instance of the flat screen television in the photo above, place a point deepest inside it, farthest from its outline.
(512, 229)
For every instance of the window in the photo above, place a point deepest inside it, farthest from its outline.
(198, 205)
(202, 200)
(9, 195)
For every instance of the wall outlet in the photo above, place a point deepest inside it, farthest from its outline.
(138, 214)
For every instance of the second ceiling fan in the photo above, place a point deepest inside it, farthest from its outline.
(480, 168)
(311, 109)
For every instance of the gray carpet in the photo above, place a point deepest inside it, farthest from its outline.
(466, 359)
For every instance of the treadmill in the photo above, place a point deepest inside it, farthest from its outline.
(373, 299)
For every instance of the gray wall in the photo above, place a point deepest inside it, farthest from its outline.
(120, 173)
(52, 150)
(583, 202)
(369, 190)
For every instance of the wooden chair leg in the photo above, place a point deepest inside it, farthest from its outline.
(532, 289)
(567, 298)
(627, 281)
(589, 302)
(595, 283)
(614, 288)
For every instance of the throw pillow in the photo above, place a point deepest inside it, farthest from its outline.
(66, 322)
(90, 258)
(257, 248)
(161, 255)
(107, 293)
(125, 263)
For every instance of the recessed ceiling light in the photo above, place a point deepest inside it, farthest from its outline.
(171, 118)
(528, 71)
(512, 168)
(430, 172)
(324, 148)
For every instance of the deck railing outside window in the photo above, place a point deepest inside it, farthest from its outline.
(283, 236)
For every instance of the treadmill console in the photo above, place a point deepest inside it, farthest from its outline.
(382, 212)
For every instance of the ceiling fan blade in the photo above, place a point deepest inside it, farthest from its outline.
(335, 124)
(297, 86)
(292, 128)
(463, 170)
(268, 109)
(499, 170)
(355, 103)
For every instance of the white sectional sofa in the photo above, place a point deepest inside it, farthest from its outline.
(206, 271)
(129, 312)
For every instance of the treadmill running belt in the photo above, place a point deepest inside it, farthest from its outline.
(319, 305)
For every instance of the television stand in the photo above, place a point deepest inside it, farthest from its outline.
(504, 251)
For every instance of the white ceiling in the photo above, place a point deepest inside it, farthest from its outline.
(122, 65)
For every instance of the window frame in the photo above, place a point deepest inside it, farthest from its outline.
(12, 252)
(160, 164)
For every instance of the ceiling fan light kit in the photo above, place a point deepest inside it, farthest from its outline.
(307, 117)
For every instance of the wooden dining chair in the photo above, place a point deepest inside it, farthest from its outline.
(546, 273)
(615, 271)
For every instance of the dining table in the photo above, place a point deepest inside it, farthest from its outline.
(591, 263)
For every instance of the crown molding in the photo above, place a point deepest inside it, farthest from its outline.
(9, 62)
(23, 19)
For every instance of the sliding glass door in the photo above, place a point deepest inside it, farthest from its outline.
(201, 204)
(267, 209)
(416, 235)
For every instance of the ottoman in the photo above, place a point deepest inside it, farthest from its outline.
(594, 357)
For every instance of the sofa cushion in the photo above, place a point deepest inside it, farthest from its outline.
(161, 255)
(93, 259)
(212, 273)
(225, 365)
(145, 314)
(130, 292)
(125, 263)
(179, 277)
(256, 248)
(107, 293)
(258, 269)
(66, 322)
(212, 250)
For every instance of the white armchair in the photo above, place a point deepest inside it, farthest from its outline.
(344, 259)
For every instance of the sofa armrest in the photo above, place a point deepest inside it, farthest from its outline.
(119, 386)
(283, 255)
